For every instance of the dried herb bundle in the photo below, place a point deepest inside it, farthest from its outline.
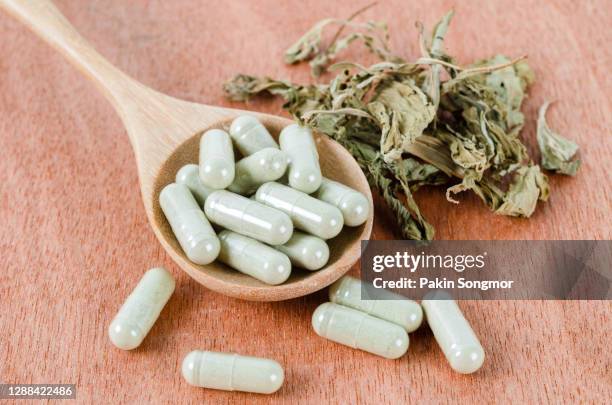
(418, 123)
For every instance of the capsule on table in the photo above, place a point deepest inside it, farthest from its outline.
(306, 251)
(141, 309)
(268, 164)
(307, 213)
(394, 308)
(216, 159)
(353, 205)
(254, 258)
(248, 217)
(250, 135)
(304, 170)
(232, 372)
(191, 228)
(359, 330)
(189, 175)
(453, 333)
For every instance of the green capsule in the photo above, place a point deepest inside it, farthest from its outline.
(359, 330)
(353, 205)
(141, 309)
(189, 224)
(250, 135)
(453, 333)
(304, 171)
(251, 257)
(307, 213)
(216, 159)
(247, 217)
(268, 164)
(306, 251)
(232, 372)
(189, 175)
(401, 311)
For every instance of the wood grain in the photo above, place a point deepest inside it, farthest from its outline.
(75, 239)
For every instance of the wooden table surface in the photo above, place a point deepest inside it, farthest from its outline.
(74, 238)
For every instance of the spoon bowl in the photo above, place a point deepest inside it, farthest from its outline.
(165, 133)
(336, 163)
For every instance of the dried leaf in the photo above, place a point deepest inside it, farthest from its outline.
(375, 37)
(509, 84)
(403, 112)
(490, 194)
(556, 150)
(465, 151)
(419, 174)
(242, 87)
(529, 185)
(309, 44)
(322, 60)
(432, 83)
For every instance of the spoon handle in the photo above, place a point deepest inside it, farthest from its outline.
(42, 17)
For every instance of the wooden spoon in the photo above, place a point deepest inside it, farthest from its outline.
(164, 133)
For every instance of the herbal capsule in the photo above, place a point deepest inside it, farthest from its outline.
(232, 372)
(189, 176)
(262, 166)
(141, 309)
(216, 159)
(304, 170)
(307, 213)
(248, 217)
(191, 228)
(251, 257)
(394, 308)
(250, 135)
(306, 251)
(360, 331)
(453, 333)
(353, 205)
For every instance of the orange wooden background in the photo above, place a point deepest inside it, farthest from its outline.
(74, 238)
